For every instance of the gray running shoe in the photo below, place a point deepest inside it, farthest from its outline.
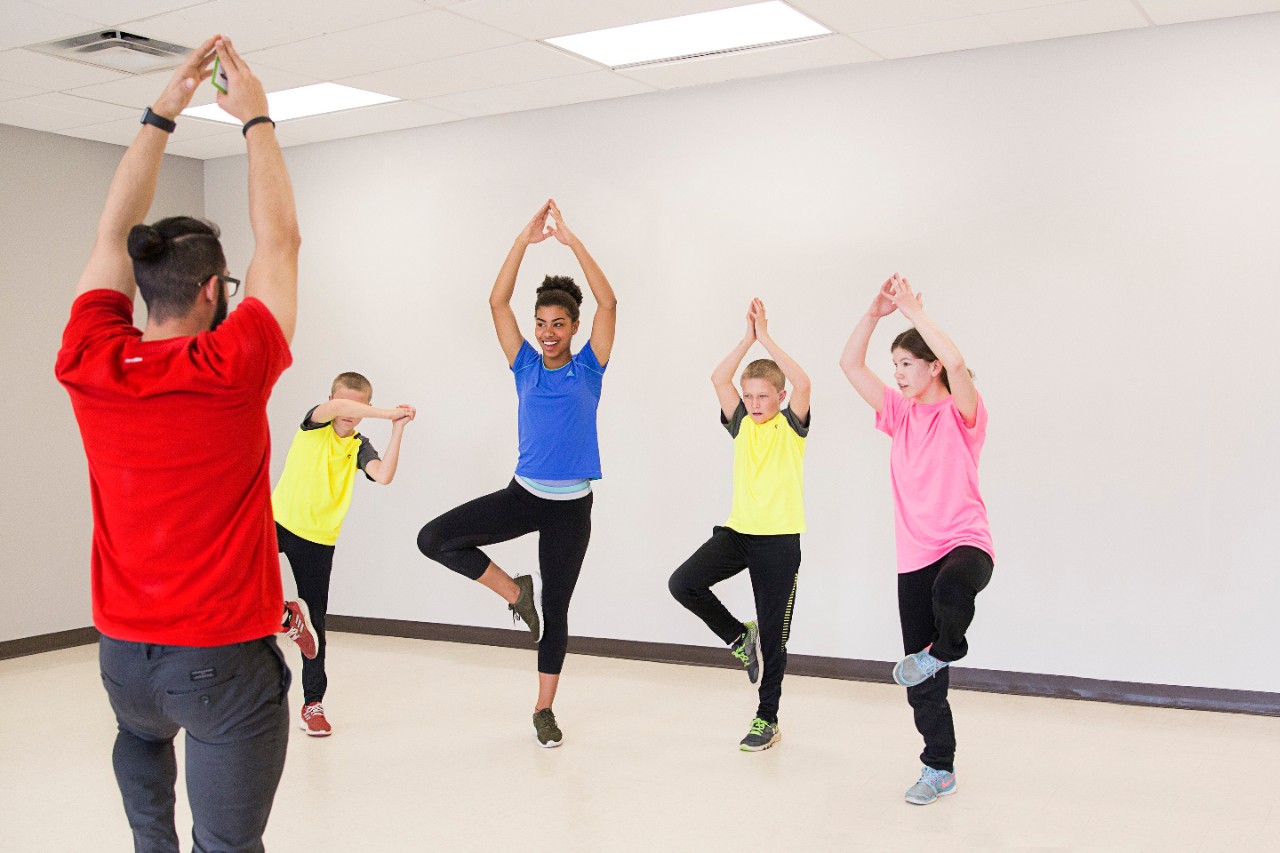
(748, 651)
(544, 726)
(761, 736)
(528, 607)
(933, 784)
(916, 669)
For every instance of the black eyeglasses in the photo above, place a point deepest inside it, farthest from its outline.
(232, 284)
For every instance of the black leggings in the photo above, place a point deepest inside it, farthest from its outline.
(564, 529)
(936, 605)
(774, 564)
(312, 565)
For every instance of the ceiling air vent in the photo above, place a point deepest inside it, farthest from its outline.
(116, 50)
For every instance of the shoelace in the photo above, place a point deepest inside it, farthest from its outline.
(933, 777)
(741, 654)
(758, 726)
(312, 710)
(928, 664)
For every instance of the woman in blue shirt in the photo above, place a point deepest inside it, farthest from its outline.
(559, 391)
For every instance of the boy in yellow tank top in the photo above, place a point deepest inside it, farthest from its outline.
(310, 502)
(763, 531)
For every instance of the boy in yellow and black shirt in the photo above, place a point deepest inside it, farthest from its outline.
(763, 531)
(311, 500)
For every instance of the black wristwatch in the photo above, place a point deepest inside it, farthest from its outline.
(165, 124)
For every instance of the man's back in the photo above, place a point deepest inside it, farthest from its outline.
(176, 435)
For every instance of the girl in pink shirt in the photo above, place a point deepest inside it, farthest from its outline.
(937, 423)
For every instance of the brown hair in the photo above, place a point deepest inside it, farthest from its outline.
(561, 291)
(765, 368)
(912, 342)
(353, 382)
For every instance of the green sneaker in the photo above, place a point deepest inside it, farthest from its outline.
(748, 651)
(762, 736)
(528, 606)
(544, 726)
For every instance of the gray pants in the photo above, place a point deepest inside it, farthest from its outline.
(233, 702)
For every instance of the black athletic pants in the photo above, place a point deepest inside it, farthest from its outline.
(936, 605)
(774, 564)
(564, 529)
(312, 565)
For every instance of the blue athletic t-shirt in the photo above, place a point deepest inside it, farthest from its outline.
(558, 415)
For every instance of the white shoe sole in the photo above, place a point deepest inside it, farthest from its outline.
(303, 726)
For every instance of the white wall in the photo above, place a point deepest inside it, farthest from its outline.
(1092, 219)
(53, 190)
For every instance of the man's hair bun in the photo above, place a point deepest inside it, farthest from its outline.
(146, 243)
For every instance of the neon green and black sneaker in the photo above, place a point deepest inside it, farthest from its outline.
(762, 735)
(747, 650)
(544, 726)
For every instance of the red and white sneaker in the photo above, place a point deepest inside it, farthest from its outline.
(313, 721)
(297, 627)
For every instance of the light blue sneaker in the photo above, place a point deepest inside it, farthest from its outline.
(933, 784)
(914, 669)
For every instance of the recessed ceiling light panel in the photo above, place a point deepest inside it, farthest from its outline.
(704, 33)
(304, 101)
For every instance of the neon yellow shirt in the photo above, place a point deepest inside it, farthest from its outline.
(314, 492)
(768, 473)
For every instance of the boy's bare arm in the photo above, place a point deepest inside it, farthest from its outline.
(801, 388)
(722, 376)
(340, 408)
(383, 470)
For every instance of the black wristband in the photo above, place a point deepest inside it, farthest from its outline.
(251, 122)
(165, 124)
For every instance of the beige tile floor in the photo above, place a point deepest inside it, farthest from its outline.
(433, 751)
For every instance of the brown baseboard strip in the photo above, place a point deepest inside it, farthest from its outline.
(48, 643)
(847, 669)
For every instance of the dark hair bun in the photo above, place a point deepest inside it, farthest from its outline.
(561, 282)
(146, 243)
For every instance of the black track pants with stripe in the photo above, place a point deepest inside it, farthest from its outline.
(774, 565)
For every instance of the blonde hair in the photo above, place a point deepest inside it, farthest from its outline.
(354, 382)
(765, 368)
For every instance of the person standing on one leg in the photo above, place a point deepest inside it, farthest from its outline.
(559, 392)
(186, 584)
(937, 423)
(310, 503)
(762, 534)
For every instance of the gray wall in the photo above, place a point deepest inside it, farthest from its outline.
(54, 187)
(1092, 219)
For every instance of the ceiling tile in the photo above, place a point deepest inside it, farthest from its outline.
(987, 7)
(853, 16)
(50, 73)
(936, 37)
(516, 63)
(823, 52)
(26, 23)
(579, 88)
(485, 102)
(390, 44)
(376, 119)
(1069, 19)
(96, 110)
(255, 24)
(1177, 11)
(24, 113)
(116, 11)
(9, 91)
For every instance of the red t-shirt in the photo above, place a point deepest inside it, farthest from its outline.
(175, 431)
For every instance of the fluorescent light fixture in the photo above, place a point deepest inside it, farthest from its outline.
(304, 101)
(693, 35)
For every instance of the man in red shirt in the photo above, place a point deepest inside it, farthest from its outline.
(186, 582)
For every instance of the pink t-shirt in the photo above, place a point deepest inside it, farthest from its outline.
(933, 464)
